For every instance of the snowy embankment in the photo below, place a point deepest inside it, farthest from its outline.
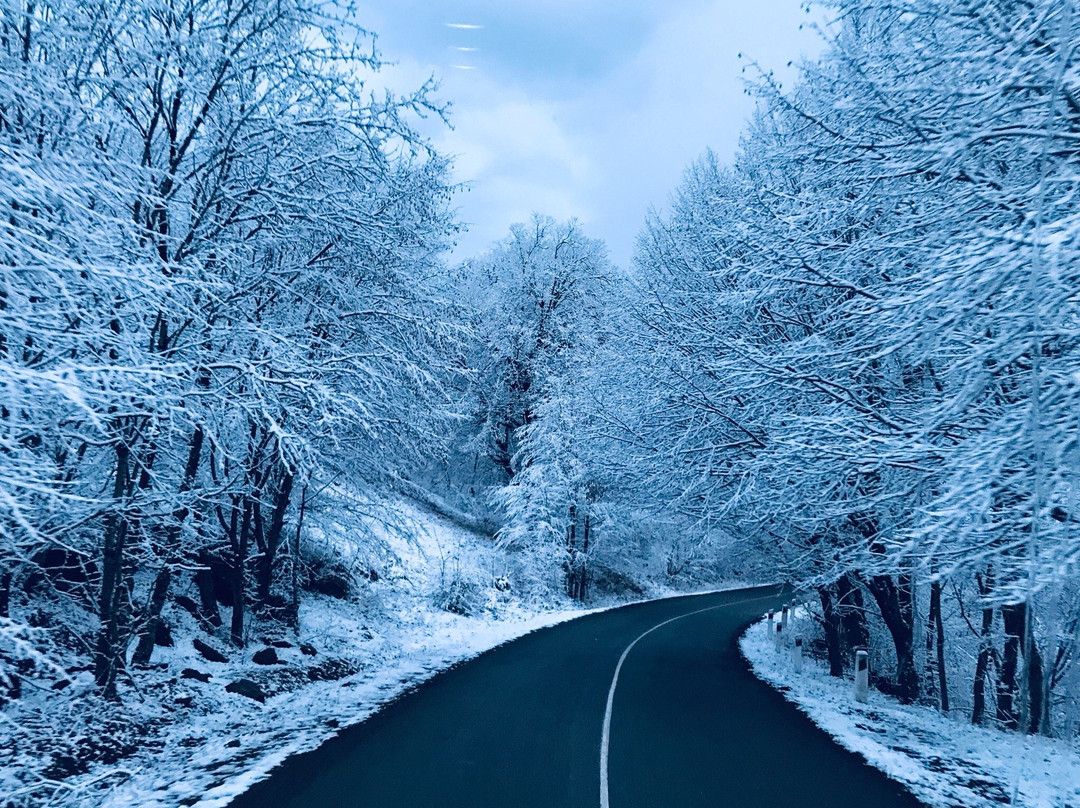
(189, 741)
(944, 762)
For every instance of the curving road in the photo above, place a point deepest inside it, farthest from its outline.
(541, 722)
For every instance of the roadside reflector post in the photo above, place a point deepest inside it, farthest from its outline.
(772, 622)
(784, 616)
(862, 675)
(796, 652)
(778, 637)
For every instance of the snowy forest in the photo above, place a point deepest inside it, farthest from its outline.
(848, 360)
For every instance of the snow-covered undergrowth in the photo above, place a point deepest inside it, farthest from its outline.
(943, 761)
(427, 595)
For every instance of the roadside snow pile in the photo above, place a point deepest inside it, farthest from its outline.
(422, 595)
(944, 762)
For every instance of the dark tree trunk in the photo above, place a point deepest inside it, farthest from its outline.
(571, 555)
(831, 626)
(939, 622)
(1038, 715)
(145, 649)
(294, 611)
(571, 531)
(982, 664)
(930, 688)
(5, 593)
(1010, 660)
(272, 538)
(978, 690)
(1019, 641)
(204, 583)
(503, 454)
(585, 539)
(852, 614)
(577, 570)
(894, 601)
(160, 590)
(240, 547)
(259, 535)
(935, 648)
(108, 652)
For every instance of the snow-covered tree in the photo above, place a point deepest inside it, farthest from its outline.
(868, 323)
(543, 318)
(215, 289)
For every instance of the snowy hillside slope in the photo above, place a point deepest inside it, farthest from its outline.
(426, 595)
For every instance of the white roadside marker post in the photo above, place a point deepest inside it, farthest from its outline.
(797, 653)
(862, 676)
(778, 637)
(784, 616)
(772, 622)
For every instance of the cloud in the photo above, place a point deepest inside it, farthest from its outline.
(680, 93)
(517, 157)
(588, 110)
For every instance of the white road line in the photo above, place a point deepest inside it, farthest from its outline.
(605, 736)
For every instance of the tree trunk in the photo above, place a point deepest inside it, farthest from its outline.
(571, 554)
(294, 612)
(160, 590)
(259, 535)
(894, 602)
(1019, 641)
(982, 665)
(204, 583)
(5, 594)
(1006, 692)
(585, 539)
(272, 538)
(831, 626)
(108, 651)
(1038, 716)
(238, 581)
(936, 629)
(851, 612)
(145, 649)
(929, 674)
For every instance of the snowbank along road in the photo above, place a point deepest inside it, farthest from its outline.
(645, 706)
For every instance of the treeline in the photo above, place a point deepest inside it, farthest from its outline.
(849, 359)
(864, 348)
(215, 293)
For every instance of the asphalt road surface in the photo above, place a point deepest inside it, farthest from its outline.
(524, 726)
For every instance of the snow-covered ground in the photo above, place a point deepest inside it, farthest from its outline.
(942, 761)
(193, 743)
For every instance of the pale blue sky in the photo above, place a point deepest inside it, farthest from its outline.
(586, 108)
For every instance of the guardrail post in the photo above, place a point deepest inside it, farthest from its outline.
(862, 675)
